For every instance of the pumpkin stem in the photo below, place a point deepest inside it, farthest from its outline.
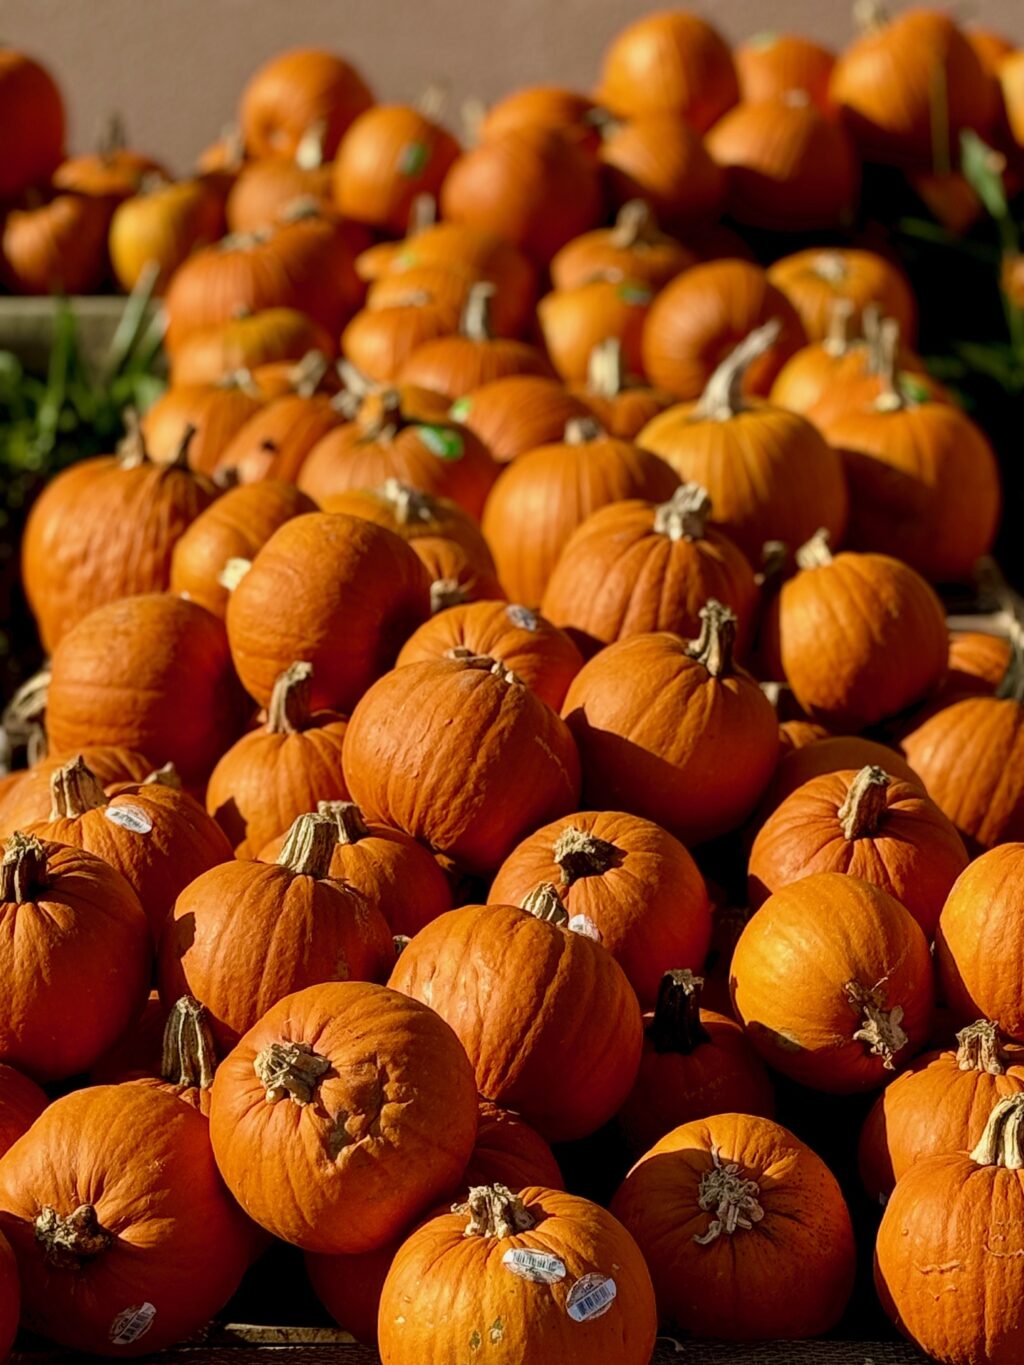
(581, 854)
(544, 903)
(685, 515)
(580, 430)
(676, 1026)
(233, 572)
(635, 225)
(731, 1195)
(180, 457)
(494, 1211)
(288, 711)
(866, 803)
(869, 16)
(69, 1241)
(22, 870)
(380, 415)
(840, 327)
(309, 154)
(349, 826)
(606, 369)
(475, 322)
(889, 398)
(1011, 686)
(445, 593)
(189, 1057)
(815, 554)
(74, 789)
(714, 646)
(978, 1049)
(401, 942)
(723, 397)
(422, 214)
(290, 1071)
(309, 846)
(871, 329)
(1002, 1142)
(131, 449)
(879, 1027)
(831, 267)
(774, 563)
(484, 663)
(165, 776)
(308, 374)
(408, 504)
(112, 137)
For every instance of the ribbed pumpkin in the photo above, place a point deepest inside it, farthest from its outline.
(938, 1106)
(518, 413)
(633, 248)
(832, 979)
(661, 160)
(274, 774)
(363, 592)
(379, 340)
(21, 1103)
(394, 874)
(444, 288)
(865, 825)
(542, 106)
(546, 1015)
(673, 731)
(815, 372)
(814, 279)
(695, 1063)
(977, 664)
(265, 188)
(158, 838)
(346, 1112)
(150, 673)
(185, 1063)
(698, 320)
(823, 754)
(160, 226)
(414, 516)
(112, 172)
(573, 321)
(349, 1287)
(672, 63)
(545, 494)
(274, 442)
(622, 404)
(106, 528)
(245, 343)
(388, 156)
(390, 440)
(54, 243)
(32, 117)
(120, 1253)
(770, 64)
(75, 957)
(235, 527)
(456, 576)
(769, 473)
(455, 1269)
(635, 567)
(32, 800)
(294, 92)
(977, 946)
(461, 754)
(214, 412)
(626, 881)
(860, 637)
(744, 1228)
(538, 653)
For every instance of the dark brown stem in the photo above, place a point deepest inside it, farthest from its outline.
(288, 711)
(714, 646)
(1002, 1142)
(22, 870)
(862, 813)
(349, 825)
(978, 1049)
(544, 903)
(290, 1071)
(723, 393)
(74, 789)
(676, 1026)
(581, 854)
(309, 846)
(475, 322)
(189, 1056)
(815, 553)
(685, 515)
(494, 1211)
(180, 458)
(69, 1241)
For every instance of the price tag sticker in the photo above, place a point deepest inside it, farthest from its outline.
(584, 925)
(129, 817)
(521, 616)
(131, 1324)
(540, 1267)
(590, 1297)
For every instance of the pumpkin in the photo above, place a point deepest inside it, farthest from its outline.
(1011, 85)
(157, 837)
(125, 1238)
(573, 321)
(215, 413)
(991, 47)
(379, 340)
(363, 592)
(274, 774)
(543, 106)
(518, 413)
(76, 957)
(234, 528)
(659, 159)
(54, 244)
(138, 1051)
(182, 1065)
(865, 825)
(534, 186)
(394, 874)
(33, 800)
(788, 165)
(317, 255)
(635, 567)
(633, 248)
(698, 319)
(476, 761)
(977, 664)
(798, 734)
(627, 882)
(744, 1228)
(621, 404)
(444, 287)
(311, 377)
(814, 279)
(264, 189)
(349, 1287)
(538, 653)
(673, 731)
(106, 528)
(860, 637)
(296, 91)
(389, 155)
(414, 516)
(769, 473)
(344, 1113)
(456, 577)
(546, 1015)
(246, 934)
(823, 754)
(571, 1263)
(391, 439)
(932, 1221)
(274, 442)
(925, 57)
(670, 63)
(822, 368)
(544, 495)
(509, 1152)
(32, 117)
(160, 226)
(771, 64)
(832, 980)
(938, 1105)
(150, 673)
(695, 1063)
(21, 1103)
(246, 342)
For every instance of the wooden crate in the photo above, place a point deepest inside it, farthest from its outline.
(26, 327)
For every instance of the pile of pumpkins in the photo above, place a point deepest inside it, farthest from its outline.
(476, 743)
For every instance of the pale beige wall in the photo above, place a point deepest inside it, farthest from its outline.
(174, 67)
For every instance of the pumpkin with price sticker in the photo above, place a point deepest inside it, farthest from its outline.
(29, 800)
(554, 1274)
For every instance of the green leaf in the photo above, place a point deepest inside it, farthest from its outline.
(442, 441)
(982, 168)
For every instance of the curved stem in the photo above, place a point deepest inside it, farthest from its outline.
(22, 870)
(290, 1071)
(1011, 686)
(166, 775)
(189, 1055)
(635, 225)
(494, 1211)
(408, 504)
(815, 553)
(734, 1199)
(1002, 1142)
(70, 1240)
(714, 646)
(288, 711)
(685, 515)
(75, 789)
(978, 1049)
(380, 415)
(581, 854)
(889, 397)
(880, 1028)
(866, 804)
(544, 903)
(475, 322)
(309, 846)
(676, 1026)
(349, 826)
(722, 397)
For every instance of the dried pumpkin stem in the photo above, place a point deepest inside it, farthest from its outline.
(131, 449)
(676, 1026)
(635, 224)
(840, 327)
(165, 776)
(189, 1055)
(731, 1195)
(544, 903)
(408, 504)
(889, 399)
(22, 870)
(475, 322)
(180, 457)
(494, 1211)
(349, 826)
(307, 376)
(831, 267)
(380, 416)
(309, 846)
(445, 593)
(880, 1028)
(288, 711)
(606, 369)
(422, 214)
(815, 553)
(1011, 686)
(70, 1240)
(978, 1049)
(309, 154)
(75, 789)
(580, 430)
(290, 1071)
(866, 804)
(484, 663)
(714, 646)
(1002, 1142)
(723, 394)
(685, 515)
(581, 854)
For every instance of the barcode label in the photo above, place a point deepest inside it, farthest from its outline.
(583, 924)
(537, 1266)
(131, 1324)
(129, 817)
(590, 1297)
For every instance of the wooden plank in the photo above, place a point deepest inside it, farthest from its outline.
(26, 326)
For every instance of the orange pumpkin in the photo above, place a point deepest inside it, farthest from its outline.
(819, 753)
(634, 249)
(414, 516)
(388, 156)
(815, 279)
(1011, 85)
(672, 63)
(54, 244)
(32, 117)
(457, 577)
(276, 439)
(245, 343)
(977, 664)
(821, 368)
(622, 404)
(977, 941)
(264, 189)
(508, 1151)
(296, 91)
(991, 47)
(379, 340)
(771, 64)
(21, 1103)
(113, 172)
(518, 413)
(573, 321)
(543, 106)
(160, 226)
(31, 800)
(658, 158)
(215, 413)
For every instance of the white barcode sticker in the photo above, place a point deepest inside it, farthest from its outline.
(590, 1297)
(131, 1324)
(129, 817)
(521, 616)
(583, 924)
(540, 1267)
